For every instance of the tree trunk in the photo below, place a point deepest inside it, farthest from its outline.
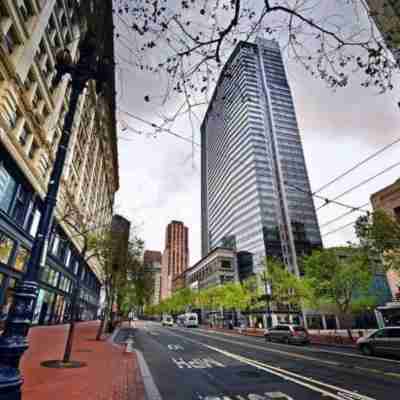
(71, 330)
(102, 324)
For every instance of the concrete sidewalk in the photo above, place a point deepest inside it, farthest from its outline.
(110, 373)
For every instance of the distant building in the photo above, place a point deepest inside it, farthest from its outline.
(120, 229)
(216, 268)
(388, 199)
(245, 265)
(152, 258)
(153, 261)
(386, 14)
(175, 257)
(255, 190)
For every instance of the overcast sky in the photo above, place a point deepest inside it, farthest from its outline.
(160, 177)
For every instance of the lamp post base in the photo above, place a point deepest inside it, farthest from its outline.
(10, 383)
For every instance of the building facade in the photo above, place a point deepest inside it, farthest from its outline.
(216, 268)
(386, 14)
(32, 112)
(255, 189)
(176, 255)
(388, 199)
(153, 260)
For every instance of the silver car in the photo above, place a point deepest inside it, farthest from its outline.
(287, 333)
(383, 341)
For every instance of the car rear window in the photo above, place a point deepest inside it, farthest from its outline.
(298, 329)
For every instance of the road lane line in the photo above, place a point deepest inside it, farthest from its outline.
(286, 374)
(314, 350)
(287, 353)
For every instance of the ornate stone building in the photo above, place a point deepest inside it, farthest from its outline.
(32, 112)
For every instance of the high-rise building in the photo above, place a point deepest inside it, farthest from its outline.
(175, 257)
(32, 113)
(386, 14)
(388, 199)
(255, 190)
(152, 261)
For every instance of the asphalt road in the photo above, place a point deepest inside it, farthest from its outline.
(197, 364)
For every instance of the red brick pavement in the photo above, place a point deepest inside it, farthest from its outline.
(110, 373)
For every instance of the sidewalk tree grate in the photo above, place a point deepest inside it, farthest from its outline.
(61, 364)
(84, 351)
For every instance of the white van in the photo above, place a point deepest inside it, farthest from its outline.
(189, 320)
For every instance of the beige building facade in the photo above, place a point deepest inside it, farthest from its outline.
(388, 199)
(32, 112)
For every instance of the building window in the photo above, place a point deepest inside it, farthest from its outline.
(7, 189)
(49, 275)
(22, 258)
(23, 137)
(34, 225)
(396, 212)
(10, 40)
(33, 150)
(21, 205)
(6, 247)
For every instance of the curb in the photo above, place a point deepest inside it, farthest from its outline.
(151, 390)
(235, 333)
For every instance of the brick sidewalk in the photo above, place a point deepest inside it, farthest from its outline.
(110, 373)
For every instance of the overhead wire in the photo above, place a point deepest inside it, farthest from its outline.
(341, 216)
(347, 191)
(359, 164)
(160, 128)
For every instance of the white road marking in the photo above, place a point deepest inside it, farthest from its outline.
(197, 363)
(309, 383)
(175, 347)
(313, 350)
(254, 346)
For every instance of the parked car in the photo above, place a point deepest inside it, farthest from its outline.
(167, 321)
(383, 341)
(287, 333)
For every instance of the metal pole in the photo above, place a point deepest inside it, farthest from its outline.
(14, 342)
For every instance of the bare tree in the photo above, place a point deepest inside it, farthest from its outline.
(188, 41)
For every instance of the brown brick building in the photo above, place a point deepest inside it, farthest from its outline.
(151, 257)
(176, 255)
(388, 199)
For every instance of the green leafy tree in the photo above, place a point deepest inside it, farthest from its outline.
(287, 288)
(339, 278)
(379, 235)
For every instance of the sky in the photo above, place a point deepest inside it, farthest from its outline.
(160, 176)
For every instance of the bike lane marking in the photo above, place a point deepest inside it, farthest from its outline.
(309, 383)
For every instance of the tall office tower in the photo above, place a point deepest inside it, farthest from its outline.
(32, 112)
(386, 14)
(176, 255)
(255, 189)
(152, 261)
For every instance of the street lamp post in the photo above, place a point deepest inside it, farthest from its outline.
(14, 342)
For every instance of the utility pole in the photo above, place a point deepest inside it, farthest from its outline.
(14, 342)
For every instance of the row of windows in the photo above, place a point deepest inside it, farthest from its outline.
(21, 205)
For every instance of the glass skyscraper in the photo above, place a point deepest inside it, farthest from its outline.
(256, 194)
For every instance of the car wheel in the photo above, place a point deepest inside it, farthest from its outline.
(268, 338)
(286, 340)
(367, 350)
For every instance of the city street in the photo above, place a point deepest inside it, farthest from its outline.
(198, 364)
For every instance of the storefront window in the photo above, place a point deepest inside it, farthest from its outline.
(49, 275)
(22, 259)
(6, 247)
(7, 189)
